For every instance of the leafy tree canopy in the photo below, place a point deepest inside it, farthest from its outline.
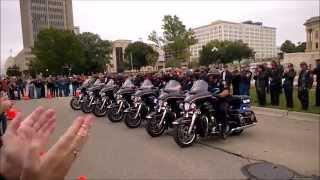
(55, 50)
(96, 51)
(60, 52)
(289, 47)
(224, 52)
(142, 55)
(176, 37)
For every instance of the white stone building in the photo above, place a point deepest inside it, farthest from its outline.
(312, 52)
(261, 39)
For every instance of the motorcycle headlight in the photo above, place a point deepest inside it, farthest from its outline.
(186, 106)
(246, 101)
(155, 100)
(102, 94)
(160, 103)
(119, 96)
(165, 104)
(137, 99)
(90, 93)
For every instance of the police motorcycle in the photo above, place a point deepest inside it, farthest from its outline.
(168, 109)
(144, 102)
(88, 104)
(81, 94)
(200, 114)
(123, 101)
(106, 97)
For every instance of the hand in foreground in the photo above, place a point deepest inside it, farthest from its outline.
(56, 163)
(18, 137)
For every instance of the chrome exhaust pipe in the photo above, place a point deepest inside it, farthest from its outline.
(242, 127)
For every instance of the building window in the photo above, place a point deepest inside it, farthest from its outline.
(316, 34)
(317, 45)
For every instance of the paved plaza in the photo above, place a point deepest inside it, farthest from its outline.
(116, 152)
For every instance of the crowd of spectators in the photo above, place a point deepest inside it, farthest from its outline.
(40, 87)
(272, 79)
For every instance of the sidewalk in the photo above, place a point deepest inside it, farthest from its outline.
(285, 114)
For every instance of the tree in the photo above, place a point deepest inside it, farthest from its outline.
(96, 52)
(142, 55)
(13, 71)
(288, 47)
(55, 50)
(301, 47)
(154, 37)
(224, 52)
(176, 38)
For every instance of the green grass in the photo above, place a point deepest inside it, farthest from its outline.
(296, 102)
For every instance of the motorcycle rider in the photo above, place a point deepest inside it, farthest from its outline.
(221, 90)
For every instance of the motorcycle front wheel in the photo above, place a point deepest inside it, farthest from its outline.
(75, 103)
(113, 116)
(153, 128)
(181, 136)
(86, 108)
(98, 111)
(130, 121)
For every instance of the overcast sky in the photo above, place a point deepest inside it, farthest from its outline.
(135, 19)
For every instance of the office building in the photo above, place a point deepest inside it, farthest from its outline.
(37, 15)
(261, 39)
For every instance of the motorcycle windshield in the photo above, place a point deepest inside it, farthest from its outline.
(146, 84)
(172, 86)
(128, 84)
(163, 95)
(199, 86)
(110, 83)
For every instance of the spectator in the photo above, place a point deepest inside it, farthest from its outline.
(31, 87)
(50, 86)
(316, 72)
(56, 86)
(304, 84)
(275, 78)
(5, 105)
(37, 85)
(20, 86)
(67, 86)
(288, 75)
(261, 84)
(245, 81)
(236, 81)
(226, 75)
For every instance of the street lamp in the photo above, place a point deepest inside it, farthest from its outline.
(214, 49)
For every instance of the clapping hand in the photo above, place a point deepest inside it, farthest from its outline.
(25, 140)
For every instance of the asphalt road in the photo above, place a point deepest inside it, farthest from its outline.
(116, 152)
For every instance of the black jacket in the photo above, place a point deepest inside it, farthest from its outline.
(289, 78)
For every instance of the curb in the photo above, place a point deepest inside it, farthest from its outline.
(286, 114)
